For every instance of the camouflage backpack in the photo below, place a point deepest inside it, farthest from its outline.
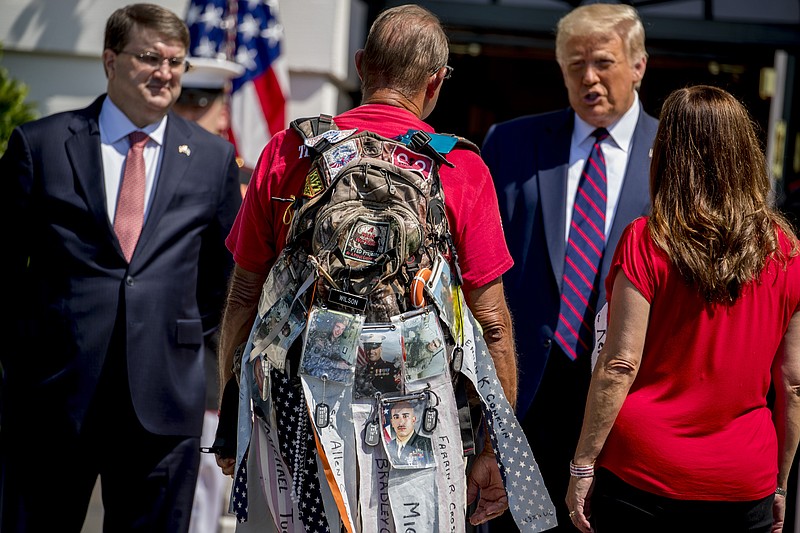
(371, 214)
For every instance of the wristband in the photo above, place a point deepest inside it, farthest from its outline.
(581, 471)
(780, 491)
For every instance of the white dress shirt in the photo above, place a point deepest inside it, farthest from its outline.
(616, 149)
(114, 145)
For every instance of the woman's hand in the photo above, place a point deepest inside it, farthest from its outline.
(578, 502)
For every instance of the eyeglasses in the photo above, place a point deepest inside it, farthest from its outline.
(155, 60)
(448, 71)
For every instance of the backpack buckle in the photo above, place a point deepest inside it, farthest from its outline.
(421, 142)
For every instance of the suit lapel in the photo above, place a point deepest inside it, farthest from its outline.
(553, 164)
(175, 160)
(83, 151)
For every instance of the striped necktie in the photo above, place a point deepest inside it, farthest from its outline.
(585, 247)
(130, 204)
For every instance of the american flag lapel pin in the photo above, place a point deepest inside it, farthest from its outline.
(185, 150)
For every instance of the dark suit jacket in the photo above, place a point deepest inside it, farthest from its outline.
(528, 158)
(70, 281)
(418, 451)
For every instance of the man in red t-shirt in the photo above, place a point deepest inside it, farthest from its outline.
(400, 88)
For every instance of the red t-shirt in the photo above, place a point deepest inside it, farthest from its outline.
(695, 424)
(259, 233)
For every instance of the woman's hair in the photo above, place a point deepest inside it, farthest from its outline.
(405, 46)
(712, 211)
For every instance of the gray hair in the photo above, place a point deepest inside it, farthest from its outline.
(405, 46)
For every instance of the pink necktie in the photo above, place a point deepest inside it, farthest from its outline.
(585, 249)
(130, 204)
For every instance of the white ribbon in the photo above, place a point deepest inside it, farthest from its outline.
(528, 499)
(373, 479)
(337, 437)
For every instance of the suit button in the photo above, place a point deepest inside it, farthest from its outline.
(547, 343)
(129, 281)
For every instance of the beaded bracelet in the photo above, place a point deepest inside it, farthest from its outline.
(581, 471)
(780, 491)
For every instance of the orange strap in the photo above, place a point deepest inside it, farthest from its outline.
(337, 496)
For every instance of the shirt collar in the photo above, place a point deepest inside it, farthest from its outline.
(621, 132)
(115, 125)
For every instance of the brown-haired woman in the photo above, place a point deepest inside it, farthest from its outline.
(703, 298)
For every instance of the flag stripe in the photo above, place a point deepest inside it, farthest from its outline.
(259, 98)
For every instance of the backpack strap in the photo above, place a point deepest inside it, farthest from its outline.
(466, 144)
(436, 145)
(312, 126)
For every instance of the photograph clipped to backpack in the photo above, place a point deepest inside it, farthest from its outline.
(439, 285)
(379, 364)
(281, 313)
(424, 346)
(329, 352)
(276, 351)
(405, 446)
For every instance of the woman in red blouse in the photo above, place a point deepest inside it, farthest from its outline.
(678, 434)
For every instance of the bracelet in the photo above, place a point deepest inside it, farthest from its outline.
(780, 491)
(581, 471)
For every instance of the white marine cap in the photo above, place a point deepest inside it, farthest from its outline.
(372, 338)
(210, 73)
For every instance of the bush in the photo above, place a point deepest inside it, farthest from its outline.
(13, 108)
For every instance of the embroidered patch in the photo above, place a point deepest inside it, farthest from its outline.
(332, 136)
(313, 185)
(368, 240)
(338, 157)
(404, 158)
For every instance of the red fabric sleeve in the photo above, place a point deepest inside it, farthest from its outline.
(259, 233)
(639, 259)
(475, 220)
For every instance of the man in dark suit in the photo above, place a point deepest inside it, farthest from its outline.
(112, 213)
(538, 165)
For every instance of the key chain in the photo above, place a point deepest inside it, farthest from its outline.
(372, 431)
(265, 372)
(431, 415)
(322, 411)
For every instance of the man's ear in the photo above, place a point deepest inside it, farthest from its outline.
(434, 82)
(639, 68)
(359, 57)
(109, 60)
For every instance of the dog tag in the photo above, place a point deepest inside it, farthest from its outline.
(458, 359)
(430, 419)
(322, 415)
(372, 433)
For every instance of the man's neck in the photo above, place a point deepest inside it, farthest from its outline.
(403, 442)
(387, 96)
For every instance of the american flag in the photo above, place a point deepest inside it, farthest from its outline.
(249, 33)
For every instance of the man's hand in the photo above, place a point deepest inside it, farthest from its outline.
(484, 478)
(227, 464)
(778, 513)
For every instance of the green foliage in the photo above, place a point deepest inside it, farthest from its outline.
(13, 108)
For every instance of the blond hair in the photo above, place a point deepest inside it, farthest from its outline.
(602, 19)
